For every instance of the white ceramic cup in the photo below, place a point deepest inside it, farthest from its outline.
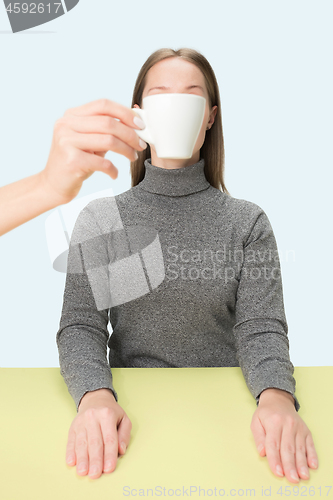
(173, 123)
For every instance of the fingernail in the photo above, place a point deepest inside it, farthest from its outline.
(136, 155)
(305, 471)
(108, 466)
(279, 470)
(314, 463)
(70, 459)
(294, 475)
(138, 122)
(123, 447)
(94, 470)
(82, 468)
(142, 143)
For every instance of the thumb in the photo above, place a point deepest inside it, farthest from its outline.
(259, 435)
(108, 166)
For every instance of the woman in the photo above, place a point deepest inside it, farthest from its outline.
(222, 315)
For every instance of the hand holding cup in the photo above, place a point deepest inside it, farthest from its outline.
(80, 141)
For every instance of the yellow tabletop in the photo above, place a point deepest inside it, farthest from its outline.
(191, 436)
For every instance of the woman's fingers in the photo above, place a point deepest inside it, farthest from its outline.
(288, 451)
(312, 456)
(93, 436)
(288, 442)
(90, 163)
(105, 125)
(110, 112)
(124, 434)
(70, 449)
(301, 465)
(98, 143)
(80, 140)
(99, 134)
(108, 424)
(81, 450)
(95, 442)
(105, 107)
(259, 434)
(273, 446)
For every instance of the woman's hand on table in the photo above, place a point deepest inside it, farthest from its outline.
(281, 435)
(97, 434)
(81, 138)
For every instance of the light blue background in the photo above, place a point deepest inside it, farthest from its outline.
(273, 63)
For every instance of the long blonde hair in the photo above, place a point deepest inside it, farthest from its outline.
(212, 149)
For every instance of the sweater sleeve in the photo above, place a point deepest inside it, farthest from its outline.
(82, 336)
(261, 328)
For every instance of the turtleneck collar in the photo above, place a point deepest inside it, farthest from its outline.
(174, 182)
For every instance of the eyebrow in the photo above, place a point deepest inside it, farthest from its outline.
(165, 88)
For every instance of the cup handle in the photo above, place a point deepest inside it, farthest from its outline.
(143, 133)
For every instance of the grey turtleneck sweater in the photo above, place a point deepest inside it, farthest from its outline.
(188, 277)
